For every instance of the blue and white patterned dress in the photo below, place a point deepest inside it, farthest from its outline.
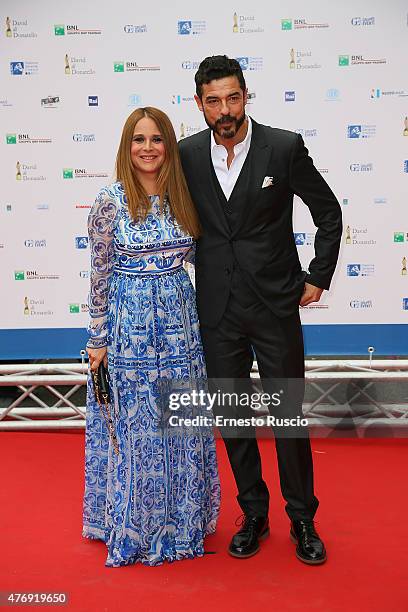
(159, 497)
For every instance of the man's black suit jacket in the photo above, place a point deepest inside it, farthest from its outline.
(261, 241)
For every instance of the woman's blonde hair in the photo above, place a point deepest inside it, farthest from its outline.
(171, 180)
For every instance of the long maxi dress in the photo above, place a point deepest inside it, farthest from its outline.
(159, 497)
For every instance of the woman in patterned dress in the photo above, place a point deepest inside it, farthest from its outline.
(151, 494)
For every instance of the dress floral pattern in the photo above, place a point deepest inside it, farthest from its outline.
(159, 497)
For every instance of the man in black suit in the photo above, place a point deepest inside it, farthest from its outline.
(242, 177)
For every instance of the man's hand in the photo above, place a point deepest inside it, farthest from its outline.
(310, 294)
(96, 355)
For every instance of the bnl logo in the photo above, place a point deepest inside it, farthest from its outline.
(405, 303)
(184, 27)
(93, 101)
(353, 269)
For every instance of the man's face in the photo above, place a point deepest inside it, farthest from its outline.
(223, 104)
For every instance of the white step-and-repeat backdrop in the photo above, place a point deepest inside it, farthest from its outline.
(71, 72)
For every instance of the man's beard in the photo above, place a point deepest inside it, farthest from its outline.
(218, 129)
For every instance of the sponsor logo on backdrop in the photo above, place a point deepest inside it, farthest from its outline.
(191, 28)
(26, 139)
(93, 101)
(358, 167)
(5, 103)
(307, 133)
(42, 206)
(405, 131)
(74, 65)
(361, 131)
(81, 242)
(35, 243)
(251, 97)
(178, 99)
(380, 200)
(332, 95)
(24, 68)
(28, 172)
(301, 24)
(34, 275)
(188, 130)
(345, 201)
(190, 64)
(359, 60)
(302, 60)
(84, 273)
(400, 236)
(359, 269)
(8, 208)
(250, 63)
(361, 304)
(82, 206)
(376, 93)
(18, 28)
(405, 165)
(405, 303)
(131, 66)
(290, 96)
(76, 173)
(363, 21)
(61, 29)
(303, 238)
(323, 170)
(76, 308)
(50, 102)
(135, 100)
(135, 29)
(36, 307)
(245, 24)
(358, 236)
(78, 137)
(404, 271)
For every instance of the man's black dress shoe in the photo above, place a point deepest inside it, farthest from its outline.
(310, 549)
(245, 542)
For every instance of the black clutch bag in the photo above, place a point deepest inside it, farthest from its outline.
(100, 380)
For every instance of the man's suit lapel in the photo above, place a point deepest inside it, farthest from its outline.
(211, 202)
(259, 155)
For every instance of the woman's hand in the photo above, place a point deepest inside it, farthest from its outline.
(96, 355)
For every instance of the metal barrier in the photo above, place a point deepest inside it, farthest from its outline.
(45, 393)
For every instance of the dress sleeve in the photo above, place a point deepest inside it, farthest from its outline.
(100, 231)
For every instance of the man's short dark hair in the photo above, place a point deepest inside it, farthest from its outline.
(217, 67)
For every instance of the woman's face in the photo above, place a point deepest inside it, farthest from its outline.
(147, 150)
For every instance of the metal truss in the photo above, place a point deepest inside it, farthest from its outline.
(360, 392)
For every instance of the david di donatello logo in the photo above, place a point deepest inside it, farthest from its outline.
(18, 28)
(245, 24)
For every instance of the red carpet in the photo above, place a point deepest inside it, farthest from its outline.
(362, 486)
